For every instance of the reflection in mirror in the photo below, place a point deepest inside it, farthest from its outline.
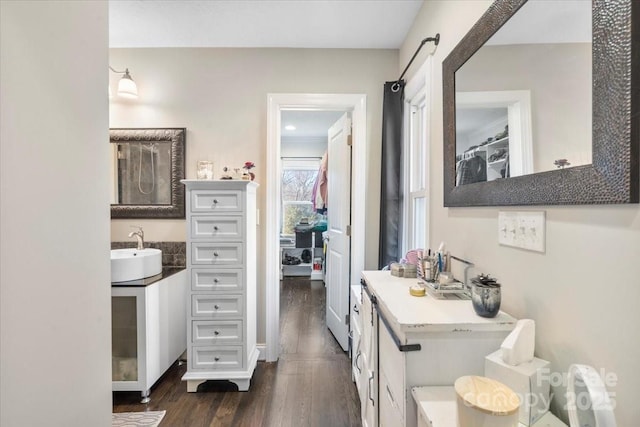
(523, 100)
(147, 166)
(142, 173)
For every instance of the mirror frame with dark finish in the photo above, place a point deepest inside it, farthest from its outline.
(176, 136)
(613, 175)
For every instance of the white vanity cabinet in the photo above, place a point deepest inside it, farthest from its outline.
(148, 331)
(221, 265)
(424, 341)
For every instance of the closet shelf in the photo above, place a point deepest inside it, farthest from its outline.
(497, 162)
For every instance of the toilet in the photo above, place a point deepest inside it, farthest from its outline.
(588, 401)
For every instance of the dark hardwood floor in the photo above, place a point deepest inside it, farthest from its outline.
(309, 386)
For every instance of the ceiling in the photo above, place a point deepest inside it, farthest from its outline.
(308, 123)
(367, 24)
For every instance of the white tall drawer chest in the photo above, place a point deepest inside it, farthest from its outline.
(221, 264)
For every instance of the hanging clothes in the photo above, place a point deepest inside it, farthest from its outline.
(319, 192)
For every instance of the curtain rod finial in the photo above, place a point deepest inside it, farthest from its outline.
(435, 40)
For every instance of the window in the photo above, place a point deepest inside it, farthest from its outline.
(416, 162)
(298, 179)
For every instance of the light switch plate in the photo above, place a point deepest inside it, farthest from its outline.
(524, 230)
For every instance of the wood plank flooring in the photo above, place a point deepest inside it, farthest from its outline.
(309, 386)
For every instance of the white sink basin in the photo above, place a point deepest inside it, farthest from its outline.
(134, 264)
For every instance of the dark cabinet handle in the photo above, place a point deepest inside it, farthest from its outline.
(216, 306)
(215, 228)
(215, 201)
(215, 280)
(216, 333)
(355, 309)
(216, 358)
(215, 254)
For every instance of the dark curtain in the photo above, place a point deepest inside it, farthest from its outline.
(391, 174)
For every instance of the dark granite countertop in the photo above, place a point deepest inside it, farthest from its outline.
(166, 272)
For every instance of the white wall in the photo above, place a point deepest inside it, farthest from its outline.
(310, 146)
(55, 347)
(559, 78)
(584, 291)
(220, 96)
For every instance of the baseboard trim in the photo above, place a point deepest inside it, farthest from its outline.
(262, 349)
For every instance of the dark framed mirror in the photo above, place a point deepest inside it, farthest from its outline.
(147, 166)
(509, 142)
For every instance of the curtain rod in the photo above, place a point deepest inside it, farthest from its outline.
(396, 86)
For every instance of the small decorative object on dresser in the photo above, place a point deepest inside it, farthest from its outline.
(485, 295)
(205, 169)
(225, 174)
(248, 175)
(221, 264)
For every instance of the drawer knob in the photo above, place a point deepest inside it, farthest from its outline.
(216, 306)
(215, 280)
(215, 227)
(216, 358)
(215, 201)
(215, 254)
(216, 333)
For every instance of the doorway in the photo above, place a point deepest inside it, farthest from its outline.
(277, 104)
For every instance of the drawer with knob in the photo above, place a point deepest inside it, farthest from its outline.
(217, 357)
(217, 306)
(218, 280)
(210, 332)
(216, 253)
(204, 201)
(217, 228)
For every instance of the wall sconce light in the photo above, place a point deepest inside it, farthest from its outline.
(126, 86)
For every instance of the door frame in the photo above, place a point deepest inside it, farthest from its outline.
(276, 102)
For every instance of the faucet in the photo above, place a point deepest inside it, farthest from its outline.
(138, 235)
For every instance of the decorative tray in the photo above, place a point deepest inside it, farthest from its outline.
(455, 287)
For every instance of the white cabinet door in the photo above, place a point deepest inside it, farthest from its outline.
(392, 378)
(369, 376)
(369, 404)
(355, 324)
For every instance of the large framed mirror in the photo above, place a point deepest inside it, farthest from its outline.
(147, 166)
(542, 105)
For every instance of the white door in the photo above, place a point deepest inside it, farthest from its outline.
(338, 221)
